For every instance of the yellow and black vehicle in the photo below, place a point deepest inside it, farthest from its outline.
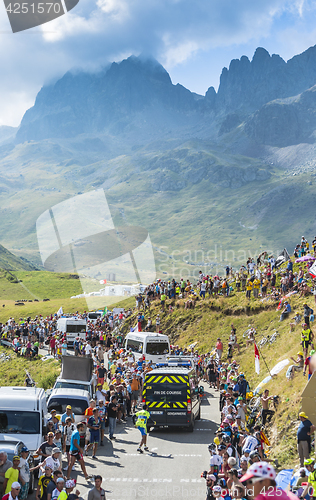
(172, 394)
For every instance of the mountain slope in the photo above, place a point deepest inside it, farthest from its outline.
(11, 262)
(200, 173)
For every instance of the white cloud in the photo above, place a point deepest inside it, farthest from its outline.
(173, 31)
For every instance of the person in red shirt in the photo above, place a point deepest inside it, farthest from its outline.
(307, 363)
(219, 348)
(52, 344)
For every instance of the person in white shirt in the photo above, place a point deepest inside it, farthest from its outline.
(88, 349)
(100, 395)
(24, 473)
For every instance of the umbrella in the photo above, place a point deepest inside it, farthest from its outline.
(305, 258)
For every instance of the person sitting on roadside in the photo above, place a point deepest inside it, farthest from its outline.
(296, 320)
(286, 311)
(298, 367)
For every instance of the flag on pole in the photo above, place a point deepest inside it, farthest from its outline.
(60, 312)
(312, 270)
(105, 311)
(257, 360)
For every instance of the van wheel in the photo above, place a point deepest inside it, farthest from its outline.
(199, 414)
(191, 426)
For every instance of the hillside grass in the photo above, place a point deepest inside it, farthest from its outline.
(212, 318)
(12, 372)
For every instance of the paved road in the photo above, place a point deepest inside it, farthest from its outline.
(171, 470)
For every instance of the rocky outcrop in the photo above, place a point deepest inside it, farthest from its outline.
(285, 122)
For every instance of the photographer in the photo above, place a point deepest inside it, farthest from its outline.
(210, 482)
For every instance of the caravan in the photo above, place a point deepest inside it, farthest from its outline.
(154, 346)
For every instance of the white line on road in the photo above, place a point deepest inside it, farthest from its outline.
(154, 480)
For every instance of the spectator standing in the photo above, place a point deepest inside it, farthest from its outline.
(112, 414)
(24, 473)
(97, 492)
(219, 349)
(12, 474)
(5, 464)
(304, 432)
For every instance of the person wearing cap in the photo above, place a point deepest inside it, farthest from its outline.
(12, 474)
(210, 482)
(308, 364)
(97, 492)
(67, 494)
(14, 493)
(299, 365)
(142, 417)
(296, 320)
(60, 483)
(260, 483)
(53, 461)
(307, 337)
(43, 482)
(52, 484)
(45, 450)
(304, 433)
(24, 473)
(286, 311)
(68, 413)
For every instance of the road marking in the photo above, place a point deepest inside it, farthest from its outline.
(153, 480)
(156, 452)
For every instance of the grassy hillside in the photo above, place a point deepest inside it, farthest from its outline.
(10, 262)
(212, 318)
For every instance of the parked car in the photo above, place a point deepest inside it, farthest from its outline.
(13, 447)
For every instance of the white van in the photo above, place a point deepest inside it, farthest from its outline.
(154, 346)
(73, 327)
(23, 414)
(78, 400)
(94, 316)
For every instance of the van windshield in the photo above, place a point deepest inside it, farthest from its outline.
(69, 385)
(134, 345)
(19, 422)
(94, 315)
(75, 328)
(166, 392)
(157, 348)
(78, 406)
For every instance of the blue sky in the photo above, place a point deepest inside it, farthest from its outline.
(194, 40)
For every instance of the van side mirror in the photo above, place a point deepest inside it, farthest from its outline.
(201, 390)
